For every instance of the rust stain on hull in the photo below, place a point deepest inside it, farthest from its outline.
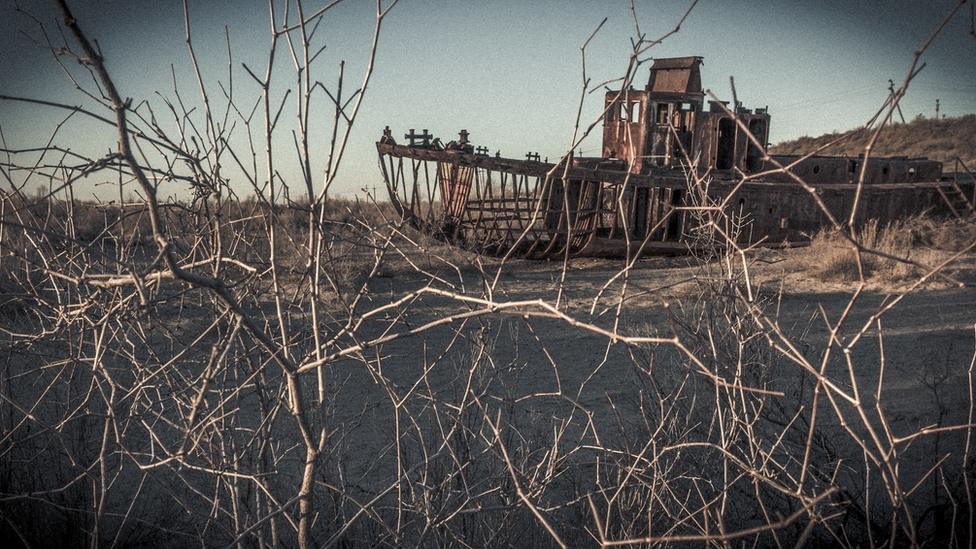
(635, 198)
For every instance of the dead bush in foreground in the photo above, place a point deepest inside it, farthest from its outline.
(270, 371)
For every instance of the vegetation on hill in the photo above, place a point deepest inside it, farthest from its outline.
(944, 140)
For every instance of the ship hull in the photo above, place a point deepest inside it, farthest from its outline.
(533, 209)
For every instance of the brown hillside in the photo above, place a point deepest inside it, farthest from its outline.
(942, 140)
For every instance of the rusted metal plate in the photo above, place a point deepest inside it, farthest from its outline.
(676, 74)
(635, 198)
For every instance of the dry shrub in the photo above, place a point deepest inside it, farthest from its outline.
(148, 395)
(11, 294)
(951, 235)
(927, 240)
(90, 224)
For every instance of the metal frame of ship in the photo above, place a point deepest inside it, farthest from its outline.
(669, 160)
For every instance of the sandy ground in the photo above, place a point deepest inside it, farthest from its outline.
(553, 370)
(542, 374)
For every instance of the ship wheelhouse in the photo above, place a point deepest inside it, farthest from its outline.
(666, 124)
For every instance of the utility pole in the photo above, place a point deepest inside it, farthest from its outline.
(936, 109)
(891, 97)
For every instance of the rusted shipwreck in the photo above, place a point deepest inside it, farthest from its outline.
(644, 194)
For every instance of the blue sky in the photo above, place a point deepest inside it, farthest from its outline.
(507, 71)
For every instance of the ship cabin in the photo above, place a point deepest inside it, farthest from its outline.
(669, 123)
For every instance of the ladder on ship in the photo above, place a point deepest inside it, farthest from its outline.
(955, 197)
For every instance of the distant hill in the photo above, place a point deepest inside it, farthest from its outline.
(942, 140)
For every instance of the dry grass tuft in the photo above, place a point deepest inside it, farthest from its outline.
(831, 258)
(951, 235)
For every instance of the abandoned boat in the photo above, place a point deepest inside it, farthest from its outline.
(670, 160)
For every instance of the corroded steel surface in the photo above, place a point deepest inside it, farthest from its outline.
(636, 197)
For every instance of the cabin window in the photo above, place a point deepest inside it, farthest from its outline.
(662, 113)
(688, 120)
(754, 154)
(911, 171)
(725, 148)
(852, 167)
(624, 115)
(635, 111)
(816, 168)
(884, 171)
